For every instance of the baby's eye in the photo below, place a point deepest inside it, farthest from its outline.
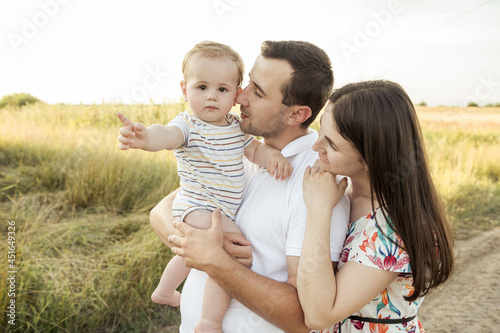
(202, 87)
(222, 89)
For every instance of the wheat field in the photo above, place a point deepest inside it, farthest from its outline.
(86, 259)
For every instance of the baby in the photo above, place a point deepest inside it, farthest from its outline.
(209, 145)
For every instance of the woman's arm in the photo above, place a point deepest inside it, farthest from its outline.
(326, 298)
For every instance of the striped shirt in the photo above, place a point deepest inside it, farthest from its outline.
(209, 164)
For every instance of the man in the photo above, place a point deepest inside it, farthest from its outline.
(289, 84)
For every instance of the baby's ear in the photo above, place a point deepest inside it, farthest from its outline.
(184, 88)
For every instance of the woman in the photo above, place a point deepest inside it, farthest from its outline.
(399, 244)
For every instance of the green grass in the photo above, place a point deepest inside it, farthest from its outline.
(466, 168)
(86, 257)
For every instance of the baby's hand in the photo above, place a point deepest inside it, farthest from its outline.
(132, 135)
(278, 166)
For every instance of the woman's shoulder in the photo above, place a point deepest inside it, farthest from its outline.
(377, 222)
(373, 238)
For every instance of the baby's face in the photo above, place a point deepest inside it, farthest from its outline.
(210, 88)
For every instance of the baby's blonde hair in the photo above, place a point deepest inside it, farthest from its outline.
(213, 50)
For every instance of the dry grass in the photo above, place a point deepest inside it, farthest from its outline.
(87, 259)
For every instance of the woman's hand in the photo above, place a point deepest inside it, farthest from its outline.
(321, 191)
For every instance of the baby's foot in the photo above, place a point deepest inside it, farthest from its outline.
(173, 299)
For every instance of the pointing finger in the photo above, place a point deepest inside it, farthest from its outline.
(125, 121)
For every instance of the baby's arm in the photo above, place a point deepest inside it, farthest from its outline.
(268, 157)
(153, 138)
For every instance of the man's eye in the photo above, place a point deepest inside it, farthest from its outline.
(256, 93)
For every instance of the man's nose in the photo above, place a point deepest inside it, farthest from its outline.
(242, 97)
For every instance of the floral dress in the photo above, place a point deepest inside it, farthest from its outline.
(368, 243)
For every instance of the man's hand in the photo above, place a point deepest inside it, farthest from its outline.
(200, 248)
(238, 247)
(132, 135)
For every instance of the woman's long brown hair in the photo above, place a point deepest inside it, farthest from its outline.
(379, 119)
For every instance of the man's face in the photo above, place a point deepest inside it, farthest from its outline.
(262, 112)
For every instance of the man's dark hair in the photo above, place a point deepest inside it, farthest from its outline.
(312, 78)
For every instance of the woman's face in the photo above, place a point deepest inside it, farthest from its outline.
(337, 155)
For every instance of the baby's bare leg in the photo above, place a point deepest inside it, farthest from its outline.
(176, 270)
(215, 304)
(215, 300)
(172, 277)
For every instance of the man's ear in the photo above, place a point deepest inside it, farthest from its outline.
(183, 88)
(299, 114)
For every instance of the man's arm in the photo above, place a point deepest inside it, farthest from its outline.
(276, 302)
(161, 220)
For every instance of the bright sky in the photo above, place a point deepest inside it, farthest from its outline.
(443, 52)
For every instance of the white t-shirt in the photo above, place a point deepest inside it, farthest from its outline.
(272, 217)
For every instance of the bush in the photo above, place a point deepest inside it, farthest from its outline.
(472, 104)
(18, 100)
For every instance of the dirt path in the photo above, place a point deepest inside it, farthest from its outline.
(470, 300)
